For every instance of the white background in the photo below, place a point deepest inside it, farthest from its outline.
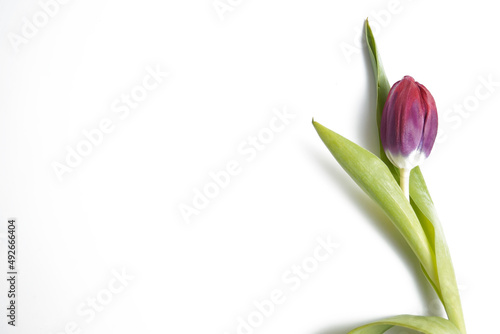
(119, 208)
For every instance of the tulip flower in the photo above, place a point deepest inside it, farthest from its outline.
(408, 127)
(408, 122)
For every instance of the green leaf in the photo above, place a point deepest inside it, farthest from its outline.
(383, 86)
(427, 325)
(374, 177)
(445, 286)
(426, 211)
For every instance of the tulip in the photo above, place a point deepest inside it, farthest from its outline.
(408, 127)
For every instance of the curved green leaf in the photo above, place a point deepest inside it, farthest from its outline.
(373, 176)
(424, 207)
(426, 325)
(383, 86)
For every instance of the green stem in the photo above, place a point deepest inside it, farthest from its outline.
(404, 181)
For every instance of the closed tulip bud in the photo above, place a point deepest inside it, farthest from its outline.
(408, 127)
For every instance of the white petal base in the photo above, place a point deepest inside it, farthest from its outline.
(407, 162)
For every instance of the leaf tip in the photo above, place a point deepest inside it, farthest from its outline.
(315, 124)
